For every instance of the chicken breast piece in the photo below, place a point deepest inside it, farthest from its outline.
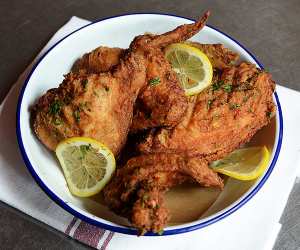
(161, 102)
(221, 118)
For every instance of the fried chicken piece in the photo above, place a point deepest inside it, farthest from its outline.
(161, 103)
(165, 104)
(136, 191)
(100, 106)
(221, 118)
(90, 105)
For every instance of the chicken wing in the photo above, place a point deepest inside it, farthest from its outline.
(100, 106)
(137, 189)
(221, 118)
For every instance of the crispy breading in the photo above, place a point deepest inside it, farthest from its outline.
(76, 109)
(136, 191)
(165, 104)
(221, 118)
(101, 59)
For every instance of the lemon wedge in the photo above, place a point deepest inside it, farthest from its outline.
(244, 164)
(87, 165)
(192, 66)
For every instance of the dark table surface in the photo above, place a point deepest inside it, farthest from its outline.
(269, 28)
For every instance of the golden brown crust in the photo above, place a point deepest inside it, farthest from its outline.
(76, 109)
(220, 120)
(101, 59)
(162, 104)
(136, 191)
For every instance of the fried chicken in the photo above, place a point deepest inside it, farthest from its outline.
(161, 103)
(165, 104)
(137, 189)
(100, 60)
(86, 105)
(221, 118)
(217, 121)
(100, 106)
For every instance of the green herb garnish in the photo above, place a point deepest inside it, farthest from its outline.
(227, 88)
(55, 107)
(217, 85)
(154, 81)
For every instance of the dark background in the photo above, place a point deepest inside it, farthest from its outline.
(270, 29)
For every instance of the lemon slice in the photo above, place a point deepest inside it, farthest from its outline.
(244, 164)
(87, 165)
(192, 66)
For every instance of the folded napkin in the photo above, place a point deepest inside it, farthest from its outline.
(254, 226)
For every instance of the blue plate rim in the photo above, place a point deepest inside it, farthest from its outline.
(132, 231)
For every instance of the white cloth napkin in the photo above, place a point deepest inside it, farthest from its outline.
(254, 226)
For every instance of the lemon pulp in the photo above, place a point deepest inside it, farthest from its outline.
(87, 165)
(192, 66)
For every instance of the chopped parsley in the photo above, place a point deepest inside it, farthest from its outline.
(77, 115)
(154, 81)
(217, 85)
(234, 106)
(269, 114)
(84, 83)
(55, 107)
(227, 88)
